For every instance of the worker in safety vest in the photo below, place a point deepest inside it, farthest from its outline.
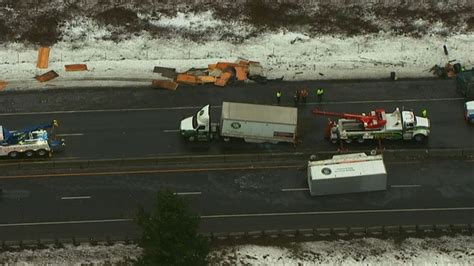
(278, 96)
(424, 113)
(319, 93)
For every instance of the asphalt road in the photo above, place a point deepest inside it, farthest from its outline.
(113, 123)
(243, 198)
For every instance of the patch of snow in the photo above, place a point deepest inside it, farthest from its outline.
(367, 251)
(72, 255)
(293, 55)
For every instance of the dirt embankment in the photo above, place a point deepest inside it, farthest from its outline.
(40, 23)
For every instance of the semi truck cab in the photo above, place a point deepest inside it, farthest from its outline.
(198, 126)
(415, 127)
(469, 111)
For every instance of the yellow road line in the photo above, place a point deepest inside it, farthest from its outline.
(150, 171)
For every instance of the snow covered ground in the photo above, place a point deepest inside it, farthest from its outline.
(293, 55)
(457, 250)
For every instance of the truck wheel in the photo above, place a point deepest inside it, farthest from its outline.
(419, 138)
(42, 152)
(334, 141)
(348, 140)
(29, 153)
(13, 154)
(226, 139)
(191, 138)
(360, 140)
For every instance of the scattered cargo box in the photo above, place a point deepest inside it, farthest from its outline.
(164, 84)
(3, 84)
(47, 76)
(76, 67)
(43, 57)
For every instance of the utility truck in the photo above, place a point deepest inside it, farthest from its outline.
(35, 140)
(469, 111)
(251, 122)
(399, 125)
(349, 173)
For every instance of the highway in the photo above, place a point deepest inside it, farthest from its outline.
(100, 123)
(230, 198)
(121, 123)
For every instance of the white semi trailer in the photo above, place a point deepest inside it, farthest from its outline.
(251, 122)
(349, 173)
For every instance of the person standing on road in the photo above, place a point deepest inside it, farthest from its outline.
(304, 95)
(278, 95)
(296, 97)
(319, 93)
(424, 113)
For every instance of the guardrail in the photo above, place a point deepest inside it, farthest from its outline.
(308, 234)
(162, 160)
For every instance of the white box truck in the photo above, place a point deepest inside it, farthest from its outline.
(349, 173)
(251, 122)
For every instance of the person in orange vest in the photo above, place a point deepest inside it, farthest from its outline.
(303, 95)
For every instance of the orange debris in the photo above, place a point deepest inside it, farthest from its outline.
(76, 67)
(241, 72)
(165, 84)
(3, 84)
(47, 76)
(223, 79)
(43, 57)
(207, 79)
(186, 78)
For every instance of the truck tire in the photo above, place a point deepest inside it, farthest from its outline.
(348, 141)
(226, 139)
(419, 137)
(13, 154)
(29, 153)
(360, 140)
(191, 139)
(42, 152)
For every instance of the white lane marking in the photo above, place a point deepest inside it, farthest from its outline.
(332, 212)
(68, 222)
(170, 130)
(218, 107)
(402, 186)
(105, 110)
(76, 198)
(248, 215)
(70, 135)
(389, 101)
(188, 193)
(294, 189)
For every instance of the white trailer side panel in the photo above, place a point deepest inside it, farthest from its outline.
(347, 176)
(259, 123)
(258, 131)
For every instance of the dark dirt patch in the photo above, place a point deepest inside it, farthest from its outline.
(43, 30)
(470, 23)
(118, 17)
(4, 31)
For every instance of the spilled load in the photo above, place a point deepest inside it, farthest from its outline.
(219, 74)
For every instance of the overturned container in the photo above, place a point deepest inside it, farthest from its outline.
(349, 173)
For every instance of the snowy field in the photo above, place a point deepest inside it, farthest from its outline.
(366, 251)
(293, 55)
